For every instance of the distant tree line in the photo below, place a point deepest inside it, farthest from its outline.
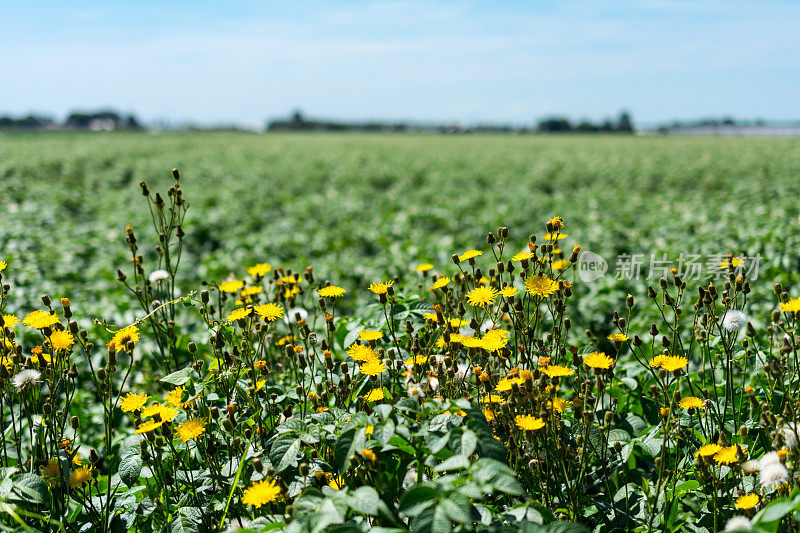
(77, 121)
(563, 125)
(297, 122)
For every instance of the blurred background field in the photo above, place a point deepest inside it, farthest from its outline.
(360, 208)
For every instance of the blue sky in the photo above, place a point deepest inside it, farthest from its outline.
(463, 61)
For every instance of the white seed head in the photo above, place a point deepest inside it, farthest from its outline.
(734, 320)
(26, 378)
(738, 523)
(158, 275)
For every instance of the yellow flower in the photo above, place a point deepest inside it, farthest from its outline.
(3, 265)
(540, 285)
(558, 404)
(492, 398)
(748, 501)
(417, 360)
(260, 493)
(380, 288)
(561, 264)
(374, 395)
(361, 352)
(231, 286)
(481, 296)
(469, 254)
(555, 371)
(691, 402)
(792, 306)
(240, 313)
(259, 269)
(122, 337)
(521, 256)
(40, 319)
(430, 316)
(529, 422)
(191, 429)
(269, 312)
(369, 455)
(735, 262)
(331, 292)
(51, 473)
(336, 483)
(508, 292)
(505, 385)
(439, 283)
(618, 337)
(556, 222)
(167, 413)
(250, 291)
(370, 335)
(471, 342)
(495, 340)
(726, 455)
(656, 361)
(708, 450)
(8, 321)
(150, 410)
(598, 360)
(554, 236)
(80, 477)
(424, 267)
(489, 414)
(133, 402)
(61, 340)
(671, 363)
(372, 367)
(147, 427)
(174, 397)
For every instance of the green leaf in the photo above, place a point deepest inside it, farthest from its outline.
(365, 500)
(348, 444)
(179, 377)
(456, 462)
(284, 450)
(417, 499)
(31, 488)
(130, 465)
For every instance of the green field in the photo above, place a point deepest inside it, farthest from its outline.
(360, 207)
(498, 391)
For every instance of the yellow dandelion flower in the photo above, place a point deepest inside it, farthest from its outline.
(617, 337)
(656, 361)
(540, 285)
(481, 296)
(792, 306)
(489, 414)
(561, 264)
(250, 291)
(51, 473)
(369, 455)
(558, 404)
(370, 335)
(261, 493)
(505, 384)
(80, 477)
(471, 342)
(3, 265)
(147, 427)
(191, 429)
(708, 450)
(231, 286)
(336, 483)
(240, 313)
(748, 501)
(424, 267)
(380, 288)
(122, 337)
(133, 402)
(508, 292)
(374, 395)
(372, 367)
(259, 269)
(439, 283)
(430, 316)
(555, 371)
(416, 360)
(522, 256)
(691, 402)
(40, 319)
(361, 352)
(671, 363)
(598, 360)
(8, 321)
(331, 292)
(61, 340)
(269, 312)
(528, 422)
(469, 254)
(493, 342)
(735, 262)
(556, 222)
(492, 398)
(150, 410)
(167, 413)
(174, 397)
(554, 236)
(726, 455)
